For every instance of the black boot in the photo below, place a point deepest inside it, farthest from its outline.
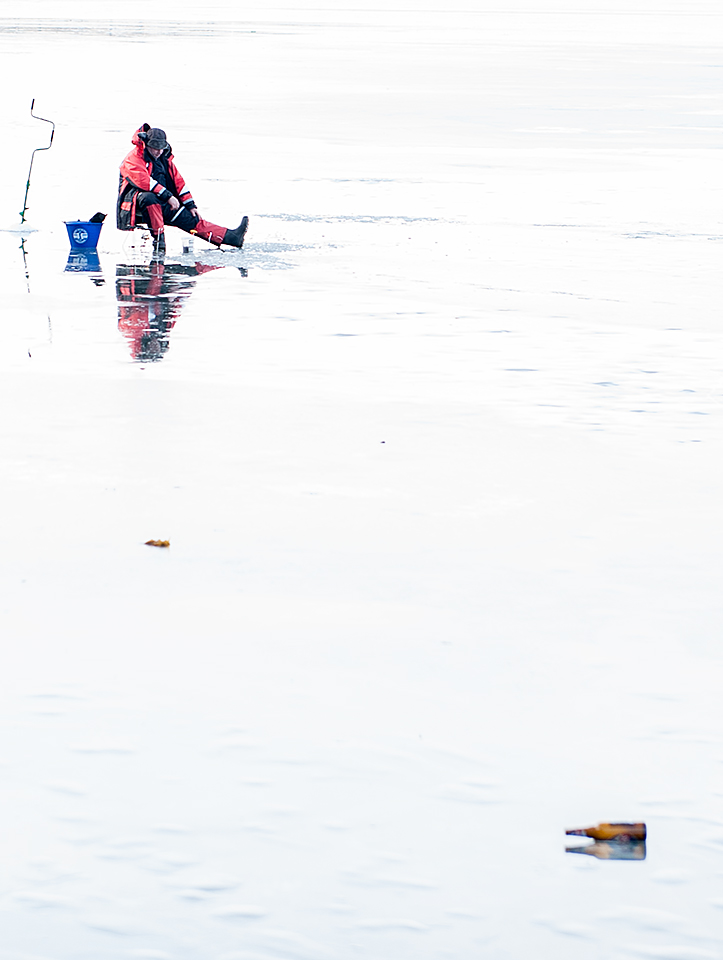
(159, 244)
(235, 238)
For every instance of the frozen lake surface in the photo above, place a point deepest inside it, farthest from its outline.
(439, 458)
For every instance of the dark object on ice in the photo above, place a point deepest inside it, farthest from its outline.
(97, 218)
(152, 193)
(157, 543)
(83, 234)
(159, 244)
(622, 832)
(36, 150)
(612, 850)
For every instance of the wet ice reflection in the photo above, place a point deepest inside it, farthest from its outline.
(612, 850)
(86, 261)
(150, 300)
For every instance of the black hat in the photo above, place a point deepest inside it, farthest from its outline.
(156, 138)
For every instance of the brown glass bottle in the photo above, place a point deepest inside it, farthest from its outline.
(621, 832)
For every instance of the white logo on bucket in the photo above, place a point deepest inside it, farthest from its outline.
(80, 235)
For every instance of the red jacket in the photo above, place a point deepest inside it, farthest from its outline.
(135, 176)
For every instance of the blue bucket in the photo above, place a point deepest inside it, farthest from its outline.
(83, 234)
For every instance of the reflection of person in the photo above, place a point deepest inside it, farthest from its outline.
(151, 191)
(150, 299)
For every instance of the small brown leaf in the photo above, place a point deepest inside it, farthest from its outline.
(158, 543)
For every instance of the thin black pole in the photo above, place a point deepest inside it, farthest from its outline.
(36, 150)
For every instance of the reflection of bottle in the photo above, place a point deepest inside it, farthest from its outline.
(624, 832)
(613, 850)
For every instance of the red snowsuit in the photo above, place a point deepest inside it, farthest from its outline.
(136, 179)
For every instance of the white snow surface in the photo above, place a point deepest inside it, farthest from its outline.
(441, 475)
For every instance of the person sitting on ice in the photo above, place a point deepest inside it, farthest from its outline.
(152, 192)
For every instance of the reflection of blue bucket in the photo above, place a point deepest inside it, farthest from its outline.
(83, 262)
(83, 234)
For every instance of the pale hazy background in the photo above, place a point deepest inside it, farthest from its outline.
(441, 477)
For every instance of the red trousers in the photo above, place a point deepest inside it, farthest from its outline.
(157, 215)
